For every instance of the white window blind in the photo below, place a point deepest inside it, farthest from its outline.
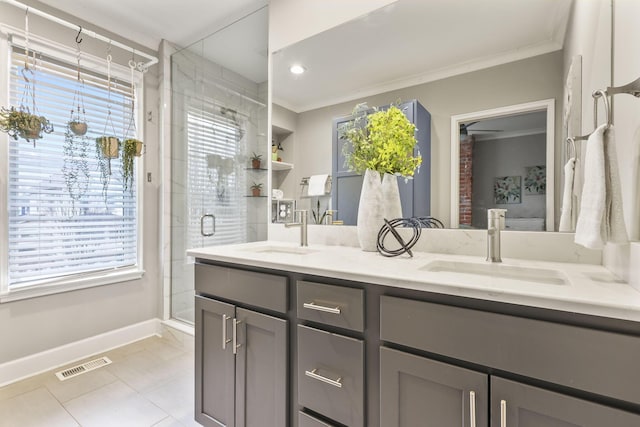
(216, 177)
(51, 235)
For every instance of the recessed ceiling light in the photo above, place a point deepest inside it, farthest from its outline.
(297, 69)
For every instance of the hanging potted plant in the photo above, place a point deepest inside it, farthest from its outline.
(380, 145)
(78, 128)
(24, 122)
(75, 168)
(108, 147)
(131, 148)
(20, 123)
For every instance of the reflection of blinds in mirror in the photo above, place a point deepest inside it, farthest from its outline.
(216, 182)
(51, 235)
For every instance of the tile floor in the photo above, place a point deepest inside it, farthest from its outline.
(149, 383)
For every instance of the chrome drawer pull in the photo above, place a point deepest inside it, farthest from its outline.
(225, 341)
(315, 376)
(313, 306)
(472, 409)
(503, 413)
(236, 346)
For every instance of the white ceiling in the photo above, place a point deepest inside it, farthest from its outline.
(509, 126)
(415, 41)
(241, 47)
(406, 43)
(182, 22)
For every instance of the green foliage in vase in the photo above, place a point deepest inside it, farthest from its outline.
(383, 141)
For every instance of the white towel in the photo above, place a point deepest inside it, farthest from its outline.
(600, 218)
(566, 223)
(577, 192)
(317, 185)
(615, 228)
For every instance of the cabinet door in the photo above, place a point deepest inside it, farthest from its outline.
(518, 405)
(261, 370)
(214, 394)
(420, 392)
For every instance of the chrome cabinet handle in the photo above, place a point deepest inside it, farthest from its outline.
(202, 225)
(314, 306)
(236, 322)
(472, 409)
(503, 413)
(225, 341)
(313, 374)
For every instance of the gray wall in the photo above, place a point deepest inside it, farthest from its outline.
(34, 325)
(506, 157)
(517, 82)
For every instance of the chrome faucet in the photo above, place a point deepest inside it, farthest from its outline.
(495, 223)
(304, 219)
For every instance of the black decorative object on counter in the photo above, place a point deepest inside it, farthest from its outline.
(416, 224)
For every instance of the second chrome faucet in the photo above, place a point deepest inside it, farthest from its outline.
(302, 223)
(495, 223)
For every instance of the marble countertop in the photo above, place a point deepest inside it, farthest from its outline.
(587, 289)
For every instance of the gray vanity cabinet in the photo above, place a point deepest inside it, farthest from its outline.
(215, 365)
(416, 391)
(241, 355)
(561, 355)
(415, 194)
(514, 404)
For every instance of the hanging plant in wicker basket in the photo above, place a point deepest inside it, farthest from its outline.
(131, 147)
(107, 146)
(24, 121)
(76, 144)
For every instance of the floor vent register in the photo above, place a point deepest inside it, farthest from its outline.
(84, 368)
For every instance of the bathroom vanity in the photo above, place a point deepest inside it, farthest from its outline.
(333, 336)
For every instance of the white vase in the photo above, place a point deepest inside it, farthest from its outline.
(392, 207)
(370, 211)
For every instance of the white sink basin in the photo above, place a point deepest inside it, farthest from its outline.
(497, 270)
(292, 250)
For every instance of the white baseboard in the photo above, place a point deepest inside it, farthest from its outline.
(180, 326)
(18, 369)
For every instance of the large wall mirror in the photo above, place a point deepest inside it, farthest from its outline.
(495, 57)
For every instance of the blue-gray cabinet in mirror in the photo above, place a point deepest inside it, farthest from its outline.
(415, 194)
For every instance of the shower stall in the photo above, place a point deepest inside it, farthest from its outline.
(218, 122)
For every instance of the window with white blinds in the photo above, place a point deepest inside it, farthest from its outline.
(52, 235)
(216, 177)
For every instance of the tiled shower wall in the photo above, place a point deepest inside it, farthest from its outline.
(192, 77)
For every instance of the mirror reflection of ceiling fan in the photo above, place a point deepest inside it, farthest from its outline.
(465, 128)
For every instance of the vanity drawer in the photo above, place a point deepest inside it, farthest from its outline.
(331, 375)
(332, 305)
(596, 361)
(306, 420)
(257, 289)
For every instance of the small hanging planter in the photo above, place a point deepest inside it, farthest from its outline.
(19, 123)
(109, 146)
(24, 122)
(131, 148)
(78, 128)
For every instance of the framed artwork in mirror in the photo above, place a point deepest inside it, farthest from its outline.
(507, 190)
(535, 180)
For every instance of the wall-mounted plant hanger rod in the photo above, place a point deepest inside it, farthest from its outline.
(151, 60)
